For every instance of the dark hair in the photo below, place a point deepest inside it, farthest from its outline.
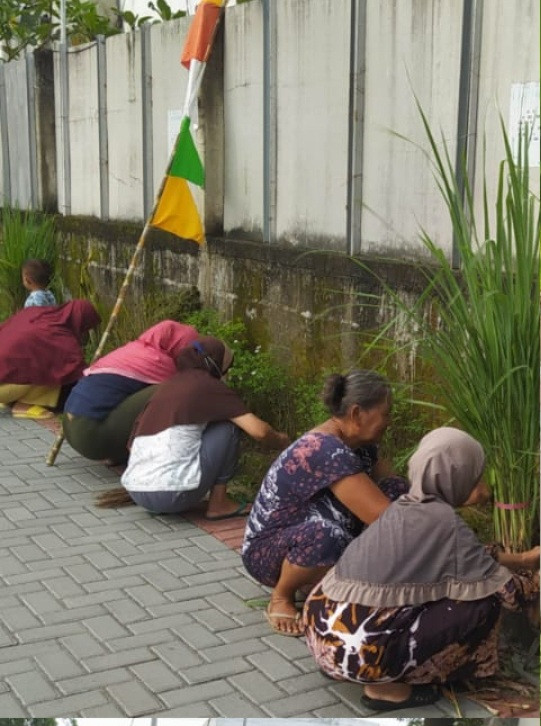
(365, 389)
(39, 271)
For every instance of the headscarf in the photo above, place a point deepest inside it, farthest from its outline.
(150, 358)
(196, 394)
(41, 346)
(420, 550)
(206, 353)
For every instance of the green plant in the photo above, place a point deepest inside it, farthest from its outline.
(24, 235)
(482, 337)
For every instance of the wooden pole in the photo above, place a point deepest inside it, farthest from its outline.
(57, 444)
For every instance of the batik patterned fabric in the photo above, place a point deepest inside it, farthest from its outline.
(437, 642)
(295, 515)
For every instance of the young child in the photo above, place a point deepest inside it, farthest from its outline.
(36, 276)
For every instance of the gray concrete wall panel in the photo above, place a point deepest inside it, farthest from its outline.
(84, 131)
(17, 123)
(243, 118)
(509, 55)
(312, 118)
(125, 128)
(413, 47)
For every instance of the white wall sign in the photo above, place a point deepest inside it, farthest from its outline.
(524, 109)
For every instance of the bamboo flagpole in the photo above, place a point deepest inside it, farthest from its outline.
(174, 209)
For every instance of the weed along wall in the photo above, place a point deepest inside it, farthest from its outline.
(305, 307)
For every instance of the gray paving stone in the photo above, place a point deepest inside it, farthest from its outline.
(73, 614)
(146, 595)
(178, 656)
(195, 592)
(192, 694)
(213, 671)
(41, 602)
(157, 677)
(134, 698)
(236, 703)
(16, 666)
(256, 687)
(306, 701)
(129, 642)
(273, 665)
(178, 620)
(197, 637)
(31, 687)
(58, 664)
(19, 618)
(68, 704)
(240, 648)
(214, 620)
(117, 660)
(105, 627)
(97, 679)
(126, 610)
(83, 646)
(9, 704)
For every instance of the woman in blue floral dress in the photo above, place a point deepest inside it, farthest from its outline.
(320, 493)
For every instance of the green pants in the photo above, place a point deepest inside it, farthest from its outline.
(108, 438)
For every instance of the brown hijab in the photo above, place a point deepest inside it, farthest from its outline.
(420, 549)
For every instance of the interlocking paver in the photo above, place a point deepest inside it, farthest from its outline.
(118, 613)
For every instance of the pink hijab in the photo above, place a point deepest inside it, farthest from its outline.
(150, 358)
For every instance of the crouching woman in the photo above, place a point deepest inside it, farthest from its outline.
(185, 443)
(415, 600)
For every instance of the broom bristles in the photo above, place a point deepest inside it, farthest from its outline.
(117, 497)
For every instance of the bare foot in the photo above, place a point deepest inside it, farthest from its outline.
(226, 508)
(284, 618)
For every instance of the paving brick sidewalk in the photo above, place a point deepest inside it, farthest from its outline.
(118, 613)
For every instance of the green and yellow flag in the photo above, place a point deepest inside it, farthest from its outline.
(176, 210)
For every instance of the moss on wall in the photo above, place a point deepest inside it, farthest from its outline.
(308, 308)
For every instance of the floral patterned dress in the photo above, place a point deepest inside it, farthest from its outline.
(295, 515)
(436, 642)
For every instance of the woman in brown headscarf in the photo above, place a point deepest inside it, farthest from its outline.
(185, 443)
(415, 600)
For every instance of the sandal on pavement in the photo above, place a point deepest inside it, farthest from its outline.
(271, 619)
(419, 696)
(239, 512)
(38, 413)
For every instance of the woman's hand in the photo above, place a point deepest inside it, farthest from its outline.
(528, 560)
(261, 431)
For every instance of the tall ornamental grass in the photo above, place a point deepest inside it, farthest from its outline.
(23, 235)
(481, 337)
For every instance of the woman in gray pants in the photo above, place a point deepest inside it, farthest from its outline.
(185, 443)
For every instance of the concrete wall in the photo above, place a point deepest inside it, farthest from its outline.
(412, 47)
(84, 136)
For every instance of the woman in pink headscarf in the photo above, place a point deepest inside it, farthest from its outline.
(101, 409)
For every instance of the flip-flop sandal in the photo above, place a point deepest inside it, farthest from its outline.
(38, 413)
(271, 617)
(239, 512)
(420, 696)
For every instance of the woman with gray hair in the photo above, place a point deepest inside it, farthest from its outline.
(415, 600)
(320, 493)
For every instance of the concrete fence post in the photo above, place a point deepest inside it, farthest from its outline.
(269, 120)
(102, 128)
(468, 101)
(6, 175)
(146, 96)
(357, 76)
